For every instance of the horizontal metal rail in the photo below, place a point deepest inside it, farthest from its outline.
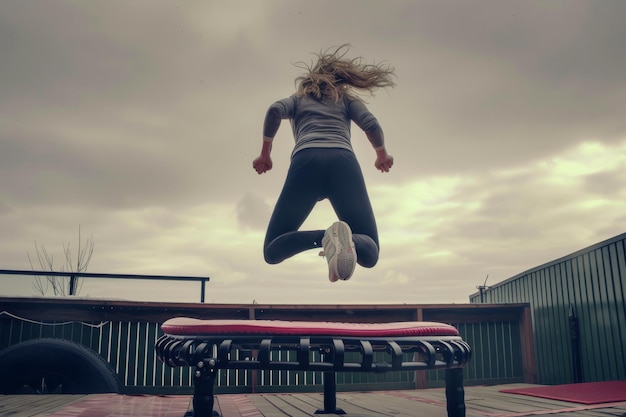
(74, 275)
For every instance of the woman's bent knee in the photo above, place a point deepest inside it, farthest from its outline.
(270, 258)
(368, 262)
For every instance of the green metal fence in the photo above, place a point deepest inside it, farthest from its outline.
(128, 346)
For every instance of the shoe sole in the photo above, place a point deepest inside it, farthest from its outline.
(345, 256)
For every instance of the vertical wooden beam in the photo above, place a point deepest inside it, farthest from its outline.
(253, 373)
(419, 376)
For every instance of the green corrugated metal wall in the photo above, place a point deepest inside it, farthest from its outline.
(591, 283)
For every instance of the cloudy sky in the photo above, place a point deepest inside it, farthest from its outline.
(138, 122)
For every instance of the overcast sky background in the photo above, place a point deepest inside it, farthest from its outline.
(138, 121)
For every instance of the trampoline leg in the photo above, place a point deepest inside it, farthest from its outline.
(455, 395)
(203, 400)
(330, 395)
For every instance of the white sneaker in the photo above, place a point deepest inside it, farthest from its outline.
(339, 251)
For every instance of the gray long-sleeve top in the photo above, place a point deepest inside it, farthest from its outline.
(322, 123)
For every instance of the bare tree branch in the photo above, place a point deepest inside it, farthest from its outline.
(61, 285)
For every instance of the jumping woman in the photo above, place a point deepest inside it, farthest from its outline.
(323, 163)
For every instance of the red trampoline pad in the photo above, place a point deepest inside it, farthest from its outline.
(184, 326)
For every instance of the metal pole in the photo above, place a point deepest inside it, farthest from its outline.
(574, 334)
(73, 285)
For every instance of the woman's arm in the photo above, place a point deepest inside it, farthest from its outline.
(369, 124)
(384, 161)
(263, 162)
(278, 111)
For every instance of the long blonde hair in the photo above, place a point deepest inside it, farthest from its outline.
(334, 75)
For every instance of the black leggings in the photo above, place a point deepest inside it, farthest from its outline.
(316, 174)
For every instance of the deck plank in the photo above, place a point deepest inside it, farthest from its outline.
(293, 405)
(34, 405)
(390, 404)
(481, 401)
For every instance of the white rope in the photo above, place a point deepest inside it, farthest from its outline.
(97, 326)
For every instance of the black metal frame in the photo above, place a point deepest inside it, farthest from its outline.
(73, 276)
(209, 354)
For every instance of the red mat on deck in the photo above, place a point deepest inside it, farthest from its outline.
(583, 393)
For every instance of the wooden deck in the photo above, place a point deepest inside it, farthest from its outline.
(481, 401)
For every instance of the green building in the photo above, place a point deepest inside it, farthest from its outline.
(578, 313)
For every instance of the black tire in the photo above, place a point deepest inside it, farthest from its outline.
(55, 366)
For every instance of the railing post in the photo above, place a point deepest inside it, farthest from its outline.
(73, 279)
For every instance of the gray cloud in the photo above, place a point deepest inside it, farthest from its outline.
(5, 209)
(608, 184)
(253, 212)
(139, 121)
